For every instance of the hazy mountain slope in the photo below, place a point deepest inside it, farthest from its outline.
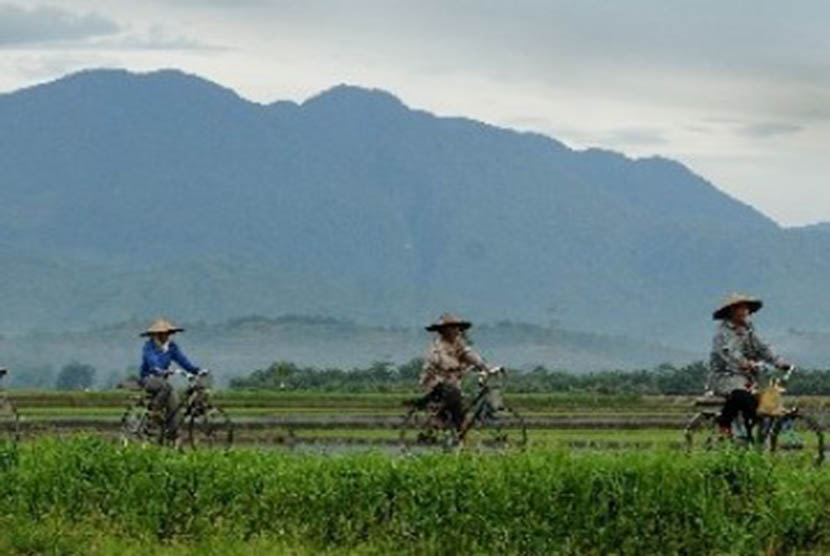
(236, 347)
(166, 192)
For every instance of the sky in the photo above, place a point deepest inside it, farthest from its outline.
(739, 90)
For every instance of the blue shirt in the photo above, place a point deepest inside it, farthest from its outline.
(154, 359)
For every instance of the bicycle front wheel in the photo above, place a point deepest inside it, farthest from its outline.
(9, 421)
(497, 429)
(211, 428)
(797, 432)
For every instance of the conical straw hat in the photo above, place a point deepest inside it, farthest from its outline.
(161, 326)
(722, 312)
(448, 319)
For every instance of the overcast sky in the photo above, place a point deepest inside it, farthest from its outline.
(739, 90)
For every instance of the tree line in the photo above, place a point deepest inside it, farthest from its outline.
(386, 377)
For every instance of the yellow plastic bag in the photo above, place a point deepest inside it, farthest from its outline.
(770, 402)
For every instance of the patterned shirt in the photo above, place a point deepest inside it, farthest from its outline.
(731, 346)
(446, 362)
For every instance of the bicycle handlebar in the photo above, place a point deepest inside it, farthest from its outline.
(484, 376)
(190, 376)
(768, 370)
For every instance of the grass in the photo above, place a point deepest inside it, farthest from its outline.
(85, 495)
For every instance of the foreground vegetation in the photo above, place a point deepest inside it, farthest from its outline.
(86, 495)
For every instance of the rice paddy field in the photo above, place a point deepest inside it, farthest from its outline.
(268, 417)
(600, 475)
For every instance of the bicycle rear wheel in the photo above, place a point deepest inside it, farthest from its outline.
(701, 431)
(211, 428)
(140, 424)
(9, 422)
(422, 428)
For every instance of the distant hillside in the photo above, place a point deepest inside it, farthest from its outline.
(127, 195)
(238, 346)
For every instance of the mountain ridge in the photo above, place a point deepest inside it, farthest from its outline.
(355, 205)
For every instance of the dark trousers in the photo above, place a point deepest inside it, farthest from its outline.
(164, 399)
(450, 399)
(739, 401)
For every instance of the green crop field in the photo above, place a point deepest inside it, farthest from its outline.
(315, 473)
(87, 495)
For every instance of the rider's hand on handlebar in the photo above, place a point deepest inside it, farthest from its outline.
(784, 366)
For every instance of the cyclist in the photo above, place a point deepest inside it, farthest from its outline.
(158, 353)
(736, 356)
(447, 359)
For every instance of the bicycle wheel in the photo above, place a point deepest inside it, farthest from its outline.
(9, 421)
(701, 431)
(209, 428)
(422, 428)
(496, 429)
(140, 424)
(795, 431)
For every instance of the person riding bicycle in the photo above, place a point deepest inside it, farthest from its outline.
(156, 356)
(447, 359)
(736, 356)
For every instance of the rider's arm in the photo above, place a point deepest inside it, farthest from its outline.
(473, 359)
(180, 358)
(765, 352)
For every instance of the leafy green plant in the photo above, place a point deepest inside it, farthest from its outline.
(89, 490)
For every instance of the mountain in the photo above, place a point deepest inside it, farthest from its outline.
(125, 195)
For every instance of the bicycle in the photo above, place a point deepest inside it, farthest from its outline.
(487, 421)
(778, 427)
(205, 423)
(9, 417)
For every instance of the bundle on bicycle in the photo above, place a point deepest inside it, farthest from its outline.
(743, 404)
(442, 418)
(158, 414)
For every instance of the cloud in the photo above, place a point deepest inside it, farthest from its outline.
(769, 129)
(21, 26)
(635, 137)
(220, 3)
(154, 38)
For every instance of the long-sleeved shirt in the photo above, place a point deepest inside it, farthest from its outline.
(446, 362)
(731, 346)
(155, 359)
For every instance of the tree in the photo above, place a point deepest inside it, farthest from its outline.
(75, 376)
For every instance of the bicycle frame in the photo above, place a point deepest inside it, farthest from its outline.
(773, 416)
